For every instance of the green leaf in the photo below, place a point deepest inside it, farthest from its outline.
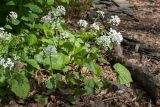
(49, 84)
(8, 27)
(2, 92)
(50, 2)
(33, 63)
(41, 99)
(15, 21)
(33, 8)
(89, 86)
(10, 3)
(91, 66)
(57, 61)
(39, 57)
(31, 39)
(65, 1)
(19, 84)
(40, 1)
(124, 75)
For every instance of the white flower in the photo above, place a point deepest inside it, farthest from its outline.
(6, 63)
(13, 15)
(1, 29)
(61, 9)
(50, 50)
(5, 35)
(46, 19)
(115, 20)
(82, 23)
(101, 13)
(9, 63)
(95, 26)
(65, 35)
(115, 36)
(56, 23)
(104, 40)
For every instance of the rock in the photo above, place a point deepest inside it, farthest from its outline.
(122, 3)
(125, 10)
(106, 2)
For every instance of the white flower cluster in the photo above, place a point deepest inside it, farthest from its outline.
(47, 18)
(104, 41)
(65, 35)
(95, 26)
(50, 50)
(101, 13)
(53, 17)
(60, 10)
(115, 20)
(115, 36)
(82, 23)
(1, 28)
(4, 35)
(13, 15)
(6, 63)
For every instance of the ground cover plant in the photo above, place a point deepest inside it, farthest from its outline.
(39, 52)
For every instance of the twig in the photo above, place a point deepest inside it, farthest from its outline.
(112, 98)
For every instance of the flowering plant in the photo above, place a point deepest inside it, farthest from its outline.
(52, 55)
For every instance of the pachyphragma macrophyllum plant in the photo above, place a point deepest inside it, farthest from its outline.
(56, 57)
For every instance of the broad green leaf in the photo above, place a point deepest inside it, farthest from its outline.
(31, 39)
(33, 7)
(8, 27)
(19, 84)
(10, 3)
(39, 57)
(15, 22)
(57, 61)
(33, 63)
(124, 76)
(50, 2)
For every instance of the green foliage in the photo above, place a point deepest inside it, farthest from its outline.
(42, 49)
(124, 75)
(19, 84)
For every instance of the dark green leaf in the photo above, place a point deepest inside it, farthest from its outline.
(33, 63)
(33, 8)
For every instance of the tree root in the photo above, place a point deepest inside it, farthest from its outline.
(143, 76)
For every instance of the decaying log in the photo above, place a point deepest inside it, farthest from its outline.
(143, 77)
(141, 48)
